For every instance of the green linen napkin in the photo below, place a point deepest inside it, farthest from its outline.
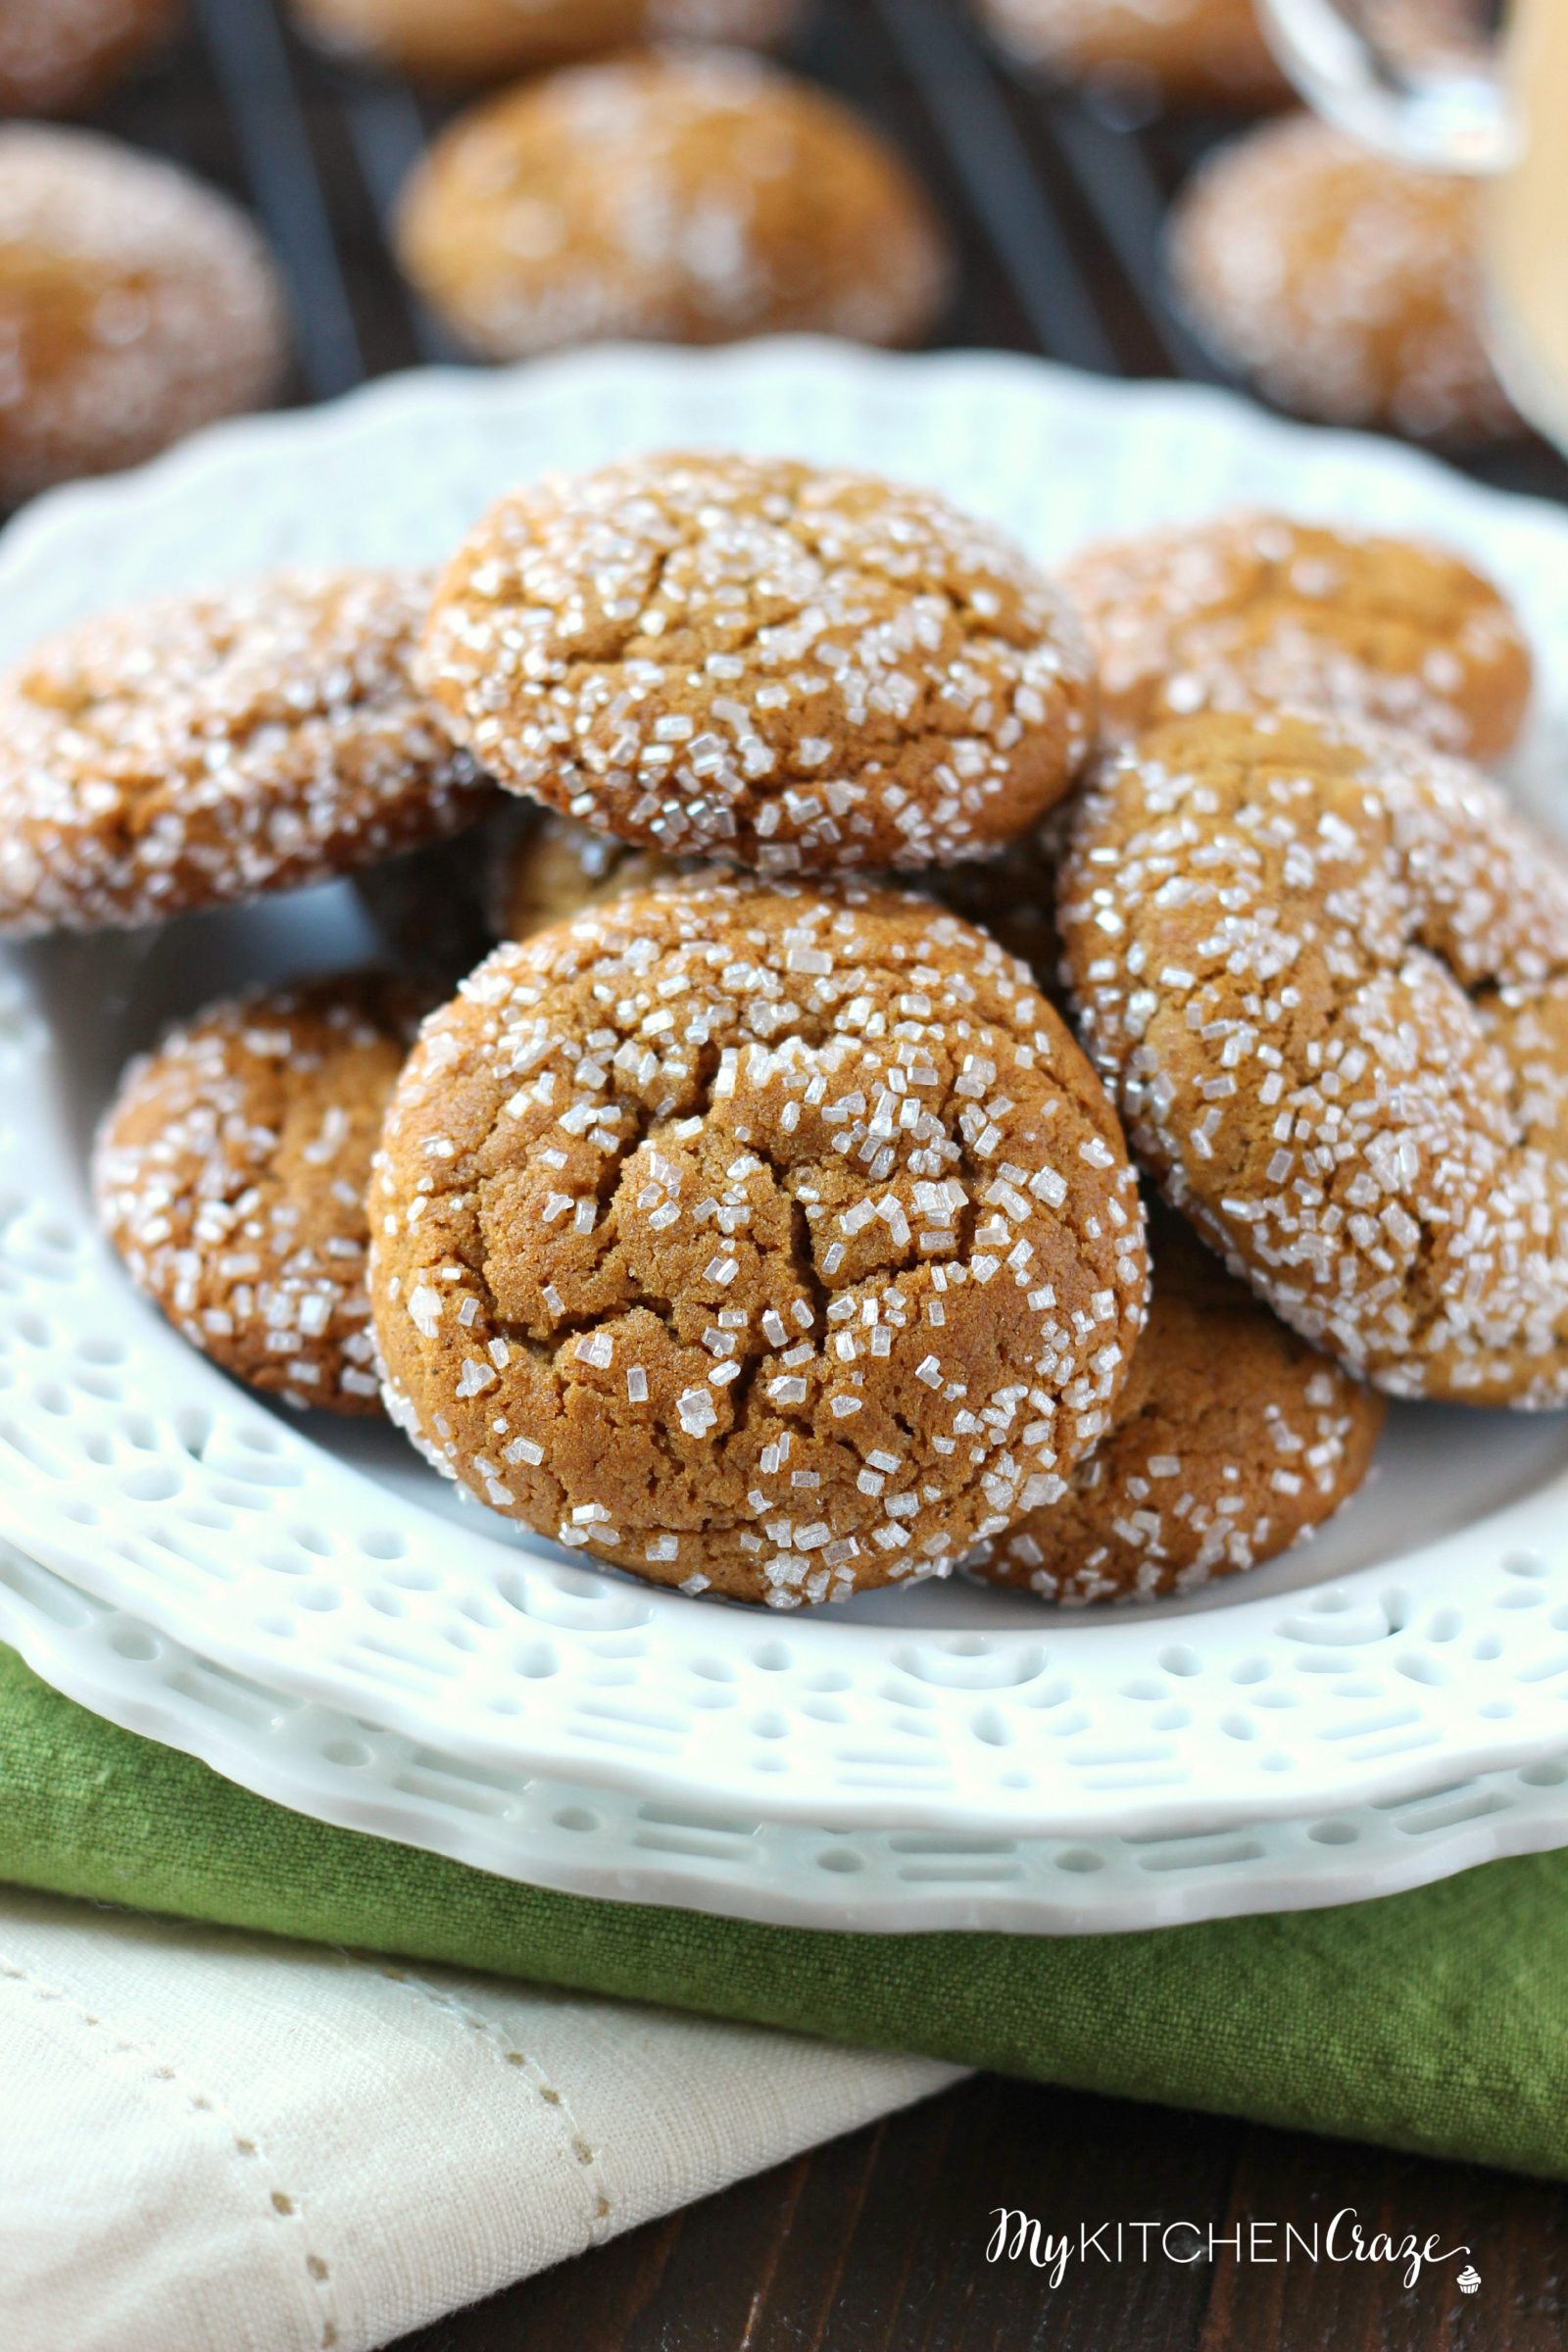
(1435, 2020)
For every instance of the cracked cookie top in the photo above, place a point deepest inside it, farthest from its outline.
(210, 748)
(775, 1240)
(1253, 612)
(231, 1174)
(751, 659)
(1232, 1440)
(1326, 970)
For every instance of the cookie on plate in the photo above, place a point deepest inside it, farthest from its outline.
(475, 40)
(231, 1175)
(1326, 971)
(750, 659)
(1341, 284)
(58, 55)
(1182, 52)
(772, 1240)
(1256, 611)
(690, 196)
(211, 748)
(1231, 1440)
(135, 303)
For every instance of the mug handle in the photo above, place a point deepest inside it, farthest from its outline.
(1441, 113)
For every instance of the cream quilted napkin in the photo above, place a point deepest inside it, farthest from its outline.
(211, 2139)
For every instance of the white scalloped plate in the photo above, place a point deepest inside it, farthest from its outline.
(622, 1847)
(1425, 1637)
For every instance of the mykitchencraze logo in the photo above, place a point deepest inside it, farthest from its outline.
(1018, 2237)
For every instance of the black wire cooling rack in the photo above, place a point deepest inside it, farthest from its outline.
(1056, 205)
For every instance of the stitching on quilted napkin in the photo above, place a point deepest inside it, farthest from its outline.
(281, 2201)
(584, 2157)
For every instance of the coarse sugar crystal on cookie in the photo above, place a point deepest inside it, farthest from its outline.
(1325, 969)
(1343, 285)
(751, 658)
(210, 748)
(776, 1241)
(1231, 1440)
(680, 195)
(1250, 611)
(231, 1174)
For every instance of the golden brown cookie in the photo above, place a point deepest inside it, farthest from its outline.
(58, 55)
(211, 748)
(549, 867)
(1231, 1440)
(231, 1174)
(1342, 286)
(135, 303)
(751, 658)
(475, 40)
(772, 1240)
(1326, 971)
(691, 196)
(1255, 611)
(1182, 52)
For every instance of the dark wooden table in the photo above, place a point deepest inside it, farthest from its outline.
(877, 2243)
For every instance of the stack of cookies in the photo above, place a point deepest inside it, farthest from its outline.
(885, 931)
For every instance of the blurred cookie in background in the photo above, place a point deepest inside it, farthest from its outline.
(688, 196)
(135, 303)
(59, 55)
(1145, 53)
(1342, 286)
(476, 41)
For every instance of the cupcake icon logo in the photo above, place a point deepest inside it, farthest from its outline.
(1469, 2280)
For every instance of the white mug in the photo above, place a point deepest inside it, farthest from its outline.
(1502, 115)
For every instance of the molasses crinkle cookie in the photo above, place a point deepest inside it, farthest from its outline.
(1255, 611)
(1186, 52)
(135, 303)
(231, 1175)
(691, 196)
(1326, 970)
(776, 1241)
(211, 748)
(747, 657)
(56, 54)
(487, 39)
(1345, 286)
(1231, 1440)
